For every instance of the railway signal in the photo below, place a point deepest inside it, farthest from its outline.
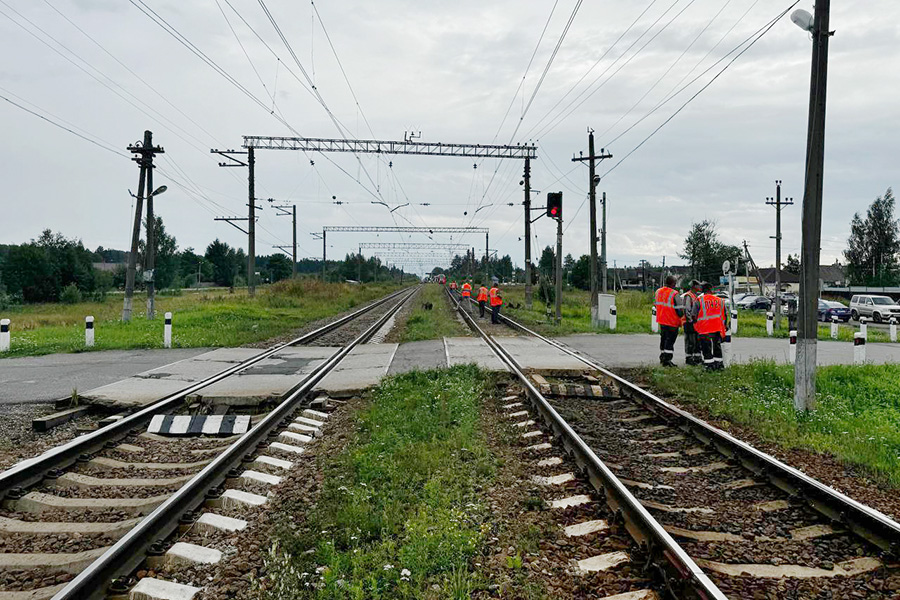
(554, 205)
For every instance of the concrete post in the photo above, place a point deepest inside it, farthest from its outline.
(167, 332)
(834, 327)
(859, 348)
(734, 322)
(4, 335)
(893, 331)
(89, 332)
(864, 327)
(654, 326)
(726, 350)
(612, 317)
(770, 324)
(792, 354)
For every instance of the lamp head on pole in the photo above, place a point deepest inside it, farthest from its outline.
(803, 19)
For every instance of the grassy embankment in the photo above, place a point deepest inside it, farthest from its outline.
(432, 324)
(857, 417)
(200, 318)
(633, 316)
(400, 514)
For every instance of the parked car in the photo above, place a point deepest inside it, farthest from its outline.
(877, 308)
(754, 303)
(830, 308)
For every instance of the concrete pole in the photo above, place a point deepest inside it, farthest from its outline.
(294, 255)
(324, 255)
(251, 229)
(603, 248)
(527, 204)
(135, 235)
(150, 260)
(592, 195)
(559, 268)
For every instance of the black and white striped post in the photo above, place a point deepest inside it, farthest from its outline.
(770, 324)
(612, 317)
(893, 330)
(654, 324)
(4, 335)
(834, 327)
(734, 322)
(792, 353)
(726, 350)
(859, 348)
(88, 332)
(167, 332)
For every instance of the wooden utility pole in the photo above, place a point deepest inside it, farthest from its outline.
(145, 151)
(807, 316)
(526, 180)
(150, 258)
(778, 203)
(593, 180)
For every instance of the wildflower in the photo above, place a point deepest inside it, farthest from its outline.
(388, 567)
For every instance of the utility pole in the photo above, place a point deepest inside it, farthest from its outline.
(487, 258)
(526, 180)
(282, 211)
(324, 255)
(593, 180)
(807, 317)
(559, 268)
(146, 152)
(778, 203)
(251, 204)
(603, 247)
(150, 258)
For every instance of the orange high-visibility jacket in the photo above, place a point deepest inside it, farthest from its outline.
(665, 307)
(496, 298)
(712, 315)
(466, 290)
(482, 294)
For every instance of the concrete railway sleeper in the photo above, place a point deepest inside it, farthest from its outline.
(121, 499)
(758, 527)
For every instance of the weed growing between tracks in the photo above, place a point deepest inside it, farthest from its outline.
(438, 322)
(857, 418)
(201, 318)
(400, 513)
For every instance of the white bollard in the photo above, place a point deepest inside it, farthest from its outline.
(612, 317)
(863, 327)
(859, 348)
(792, 354)
(726, 350)
(770, 324)
(654, 325)
(834, 327)
(893, 330)
(89, 332)
(167, 333)
(4, 335)
(734, 322)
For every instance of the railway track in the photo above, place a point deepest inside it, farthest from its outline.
(78, 520)
(715, 517)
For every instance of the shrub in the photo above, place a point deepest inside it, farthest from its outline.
(70, 294)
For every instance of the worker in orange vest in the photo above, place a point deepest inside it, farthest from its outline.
(690, 300)
(452, 286)
(710, 326)
(466, 290)
(482, 300)
(496, 302)
(668, 314)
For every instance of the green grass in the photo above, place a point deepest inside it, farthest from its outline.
(857, 416)
(432, 324)
(400, 509)
(633, 316)
(200, 319)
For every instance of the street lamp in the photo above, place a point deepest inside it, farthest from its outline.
(807, 313)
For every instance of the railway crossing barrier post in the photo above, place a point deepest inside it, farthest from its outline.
(893, 330)
(654, 326)
(726, 350)
(864, 327)
(792, 354)
(859, 348)
(834, 327)
(167, 332)
(734, 322)
(89, 332)
(4, 335)
(770, 324)
(612, 317)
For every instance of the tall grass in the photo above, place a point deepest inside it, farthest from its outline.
(436, 323)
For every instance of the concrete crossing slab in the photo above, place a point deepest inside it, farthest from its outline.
(531, 353)
(463, 351)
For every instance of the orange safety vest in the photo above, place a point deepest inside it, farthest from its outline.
(693, 296)
(496, 299)
(665, 307)
(466, 290)
(482, 294)
(712, 315)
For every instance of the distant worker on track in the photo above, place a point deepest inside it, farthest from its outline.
(482, 299)
(467, 290)
(710, 326)
(452, 286)
(691, 302)
(496, 302)
(668, 314)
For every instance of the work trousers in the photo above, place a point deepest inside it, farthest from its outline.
(667, 337)
(711, 343)
(495, 314)
(481, 308)
(692, 345)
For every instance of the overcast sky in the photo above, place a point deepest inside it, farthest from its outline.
(451, 70)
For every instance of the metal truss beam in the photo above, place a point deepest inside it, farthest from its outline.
(410, 245)
(410, 146)
(398, 229)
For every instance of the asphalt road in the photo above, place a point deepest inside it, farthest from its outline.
(48, 378)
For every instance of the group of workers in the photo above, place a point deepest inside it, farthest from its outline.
(484, 295)
(705, 322)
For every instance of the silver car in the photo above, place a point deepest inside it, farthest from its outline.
(877, 308)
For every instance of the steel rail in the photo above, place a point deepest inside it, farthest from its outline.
(862, 520)
(638, 521)
(30, 471)
(129, 551)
